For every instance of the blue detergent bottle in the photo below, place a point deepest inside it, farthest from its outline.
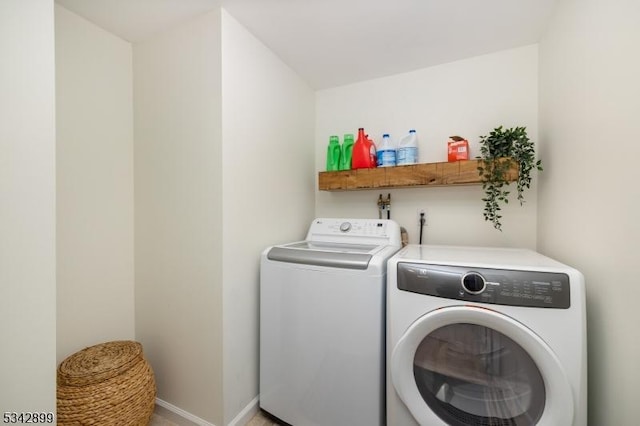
(386, 152)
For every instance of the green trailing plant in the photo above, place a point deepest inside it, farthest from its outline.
(500, 151)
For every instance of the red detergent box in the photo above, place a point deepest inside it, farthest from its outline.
(458, 148)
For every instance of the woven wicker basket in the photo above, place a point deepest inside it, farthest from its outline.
(106, 384)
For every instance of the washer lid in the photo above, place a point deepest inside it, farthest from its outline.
(337, 255)
(467, 365)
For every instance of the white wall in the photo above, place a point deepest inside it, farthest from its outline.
(94, 156)
(468, 98)
(589, 201)
(178, 213)
(27, 209)
(267, 161)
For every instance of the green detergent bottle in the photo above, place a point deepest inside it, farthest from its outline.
(333, 154)
(347, 151)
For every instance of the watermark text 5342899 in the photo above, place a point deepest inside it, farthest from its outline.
(10, 417)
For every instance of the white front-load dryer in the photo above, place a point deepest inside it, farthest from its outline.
(484, 336)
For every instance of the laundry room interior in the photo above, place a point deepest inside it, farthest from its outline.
(144, 174)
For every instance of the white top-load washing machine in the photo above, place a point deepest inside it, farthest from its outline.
(322, 324)
(485, 336)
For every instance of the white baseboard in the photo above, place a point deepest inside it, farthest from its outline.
(184, 418)
(246, 414)
(178, 415)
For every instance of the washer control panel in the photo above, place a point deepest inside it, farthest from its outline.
(481, 285)
(355, 227)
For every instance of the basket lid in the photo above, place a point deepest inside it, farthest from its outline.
(99, 363)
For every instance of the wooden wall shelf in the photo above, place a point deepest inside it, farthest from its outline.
(415, 175)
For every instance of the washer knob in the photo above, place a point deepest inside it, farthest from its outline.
(345, 226)
(473, 283)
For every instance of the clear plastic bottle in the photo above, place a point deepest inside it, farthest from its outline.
(386, 152)
(407, 152)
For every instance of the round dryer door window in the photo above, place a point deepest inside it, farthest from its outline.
(472, 366)
(472, 374)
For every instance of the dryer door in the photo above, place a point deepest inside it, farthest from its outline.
(465, 365)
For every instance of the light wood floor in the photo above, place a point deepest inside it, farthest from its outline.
(261, 420)
(258, 420)
(157, 420)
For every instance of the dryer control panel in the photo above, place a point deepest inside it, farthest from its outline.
(481, 285)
